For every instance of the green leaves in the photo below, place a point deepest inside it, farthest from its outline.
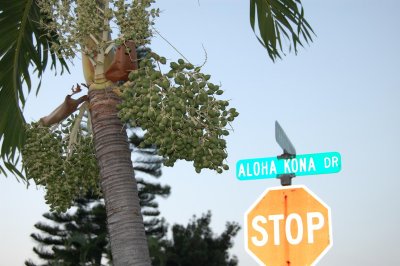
(22, 45)
(278, 20)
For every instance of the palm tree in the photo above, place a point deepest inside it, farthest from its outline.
(28, 43)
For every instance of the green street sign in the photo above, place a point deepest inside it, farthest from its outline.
(305, 164)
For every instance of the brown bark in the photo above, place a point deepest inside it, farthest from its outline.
(125, 222)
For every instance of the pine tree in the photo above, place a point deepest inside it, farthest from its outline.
(148, 163)
(73, 238)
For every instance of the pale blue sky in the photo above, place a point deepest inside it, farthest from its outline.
(340, 94)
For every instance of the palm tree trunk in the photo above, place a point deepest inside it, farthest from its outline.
(125, 222)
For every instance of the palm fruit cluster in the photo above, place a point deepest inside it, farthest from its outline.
(180, 112)
(74, 21)
(66, 172)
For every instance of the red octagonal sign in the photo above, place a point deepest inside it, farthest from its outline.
(288, 226)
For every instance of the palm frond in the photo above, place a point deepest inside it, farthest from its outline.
(278, 20)
(23, 45)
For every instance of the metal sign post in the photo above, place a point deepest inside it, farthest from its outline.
(289, 152)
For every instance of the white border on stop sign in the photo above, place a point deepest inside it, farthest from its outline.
(249, 252)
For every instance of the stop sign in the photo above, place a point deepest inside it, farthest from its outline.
(288, 226)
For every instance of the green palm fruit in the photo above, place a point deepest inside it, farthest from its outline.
(174, 65)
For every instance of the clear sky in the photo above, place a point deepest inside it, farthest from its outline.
(340, 94)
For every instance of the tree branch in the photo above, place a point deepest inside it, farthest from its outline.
(63, 111)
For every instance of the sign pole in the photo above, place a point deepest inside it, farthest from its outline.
(289, 152)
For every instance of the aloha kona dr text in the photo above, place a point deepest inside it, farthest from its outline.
(271, 167)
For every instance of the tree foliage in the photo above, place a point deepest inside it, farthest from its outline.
(62, 160)
(24, 44)
(196, 245)
(79, 237)
(27, 43)
(75, 238)
(147, 164)
(279, 20)
(180, 111)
